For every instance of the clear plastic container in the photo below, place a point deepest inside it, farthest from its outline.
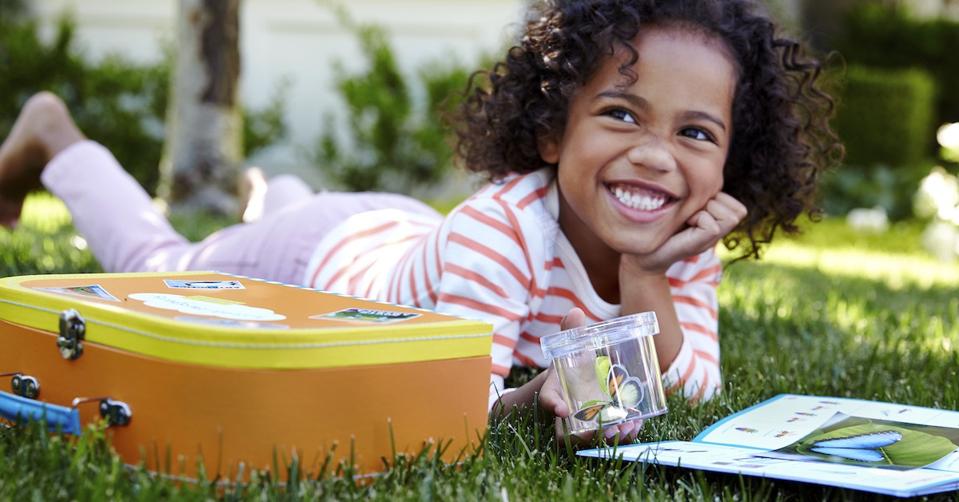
(609, 371)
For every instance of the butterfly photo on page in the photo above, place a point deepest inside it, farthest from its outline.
(876, 443)
(623, 393)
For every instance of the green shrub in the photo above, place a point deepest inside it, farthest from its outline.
(392, 143)
(880, 36)
(885, 116)
(850, 187)
(115, 102)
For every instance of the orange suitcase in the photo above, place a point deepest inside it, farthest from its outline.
(239, 370)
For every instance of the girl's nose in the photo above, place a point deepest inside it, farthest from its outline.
(652, 154)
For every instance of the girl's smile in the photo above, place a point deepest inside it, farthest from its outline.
(639, 201)
(638, 158)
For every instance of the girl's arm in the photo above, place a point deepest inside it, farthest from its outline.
(644, 286)
(522, 396)
(686, 306)
(641, 291)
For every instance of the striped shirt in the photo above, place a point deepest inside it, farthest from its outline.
(501, 257)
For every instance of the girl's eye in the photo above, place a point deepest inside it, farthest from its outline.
(696, 134)
(622, 115)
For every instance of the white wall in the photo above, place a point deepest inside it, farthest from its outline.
(298, 40)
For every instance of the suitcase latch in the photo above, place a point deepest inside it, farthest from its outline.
(72, 331)
(116, 413)
(23, 385)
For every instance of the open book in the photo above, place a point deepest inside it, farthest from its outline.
(850, 443)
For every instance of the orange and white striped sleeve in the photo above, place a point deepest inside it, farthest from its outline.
(693, 283)
(486, 275)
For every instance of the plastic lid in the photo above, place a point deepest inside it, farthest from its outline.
(599, 335)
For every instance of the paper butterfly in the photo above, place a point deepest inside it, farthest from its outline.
(862, 448)
(624, 392)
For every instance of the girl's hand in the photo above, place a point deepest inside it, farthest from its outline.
(551, 399)
(705, 228)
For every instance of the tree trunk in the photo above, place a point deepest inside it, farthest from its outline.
(203, 150)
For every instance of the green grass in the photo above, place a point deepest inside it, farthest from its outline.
(832, 313)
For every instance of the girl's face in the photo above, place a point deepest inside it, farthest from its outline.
(637, 160)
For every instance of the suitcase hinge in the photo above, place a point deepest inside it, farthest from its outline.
(23, 385)
(115, 413)
(72, 331)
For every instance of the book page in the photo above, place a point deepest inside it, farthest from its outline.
(874, 443)
(782, 420)
(736, 460)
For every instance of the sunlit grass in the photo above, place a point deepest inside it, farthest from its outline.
(896, 270)
(44, 213)
(895, 258)
(833, 312)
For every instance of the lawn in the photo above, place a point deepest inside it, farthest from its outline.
(832, 313)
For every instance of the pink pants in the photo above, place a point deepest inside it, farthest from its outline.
(127, 234)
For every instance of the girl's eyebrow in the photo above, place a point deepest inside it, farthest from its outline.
(696, 114)
(642, 104)
(633, 99)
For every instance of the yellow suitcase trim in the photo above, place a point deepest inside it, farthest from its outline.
(288, 326)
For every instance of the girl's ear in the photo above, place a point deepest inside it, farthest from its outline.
(548, 149)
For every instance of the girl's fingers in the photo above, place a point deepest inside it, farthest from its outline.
(611, 431)
(551, 395)
(727, 211)
(703, 224)
(729, 201)
(573, 319)
(635, 434)
(629, 430)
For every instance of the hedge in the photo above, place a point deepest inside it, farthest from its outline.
(886, 116)
(879, 36)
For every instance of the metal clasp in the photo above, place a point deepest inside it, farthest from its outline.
(23, 385)
(72, 331)
(116, 413)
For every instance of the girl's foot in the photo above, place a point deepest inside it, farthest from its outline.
(43, 129)
(252, 194)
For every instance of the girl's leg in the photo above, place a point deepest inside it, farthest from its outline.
(284, 190)
(289, 236)
(43, 129)
(126, 233)
(262, 197)
(113, 213)
(109, 208)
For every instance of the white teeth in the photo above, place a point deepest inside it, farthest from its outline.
(639, 201)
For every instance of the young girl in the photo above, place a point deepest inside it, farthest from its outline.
(608, 134)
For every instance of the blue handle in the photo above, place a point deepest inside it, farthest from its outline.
(13, 408)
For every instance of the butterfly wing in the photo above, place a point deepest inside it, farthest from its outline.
(589, 413)
(616, 376)
(601, 365)
(872, 440)
(630, 392)
(857, 454)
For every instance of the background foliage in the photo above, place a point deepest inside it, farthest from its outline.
(393, 141)
(115, 102)
(886, 116)
(885, 36)
(896, 88)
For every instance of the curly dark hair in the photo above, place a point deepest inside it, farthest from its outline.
(781, 138)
